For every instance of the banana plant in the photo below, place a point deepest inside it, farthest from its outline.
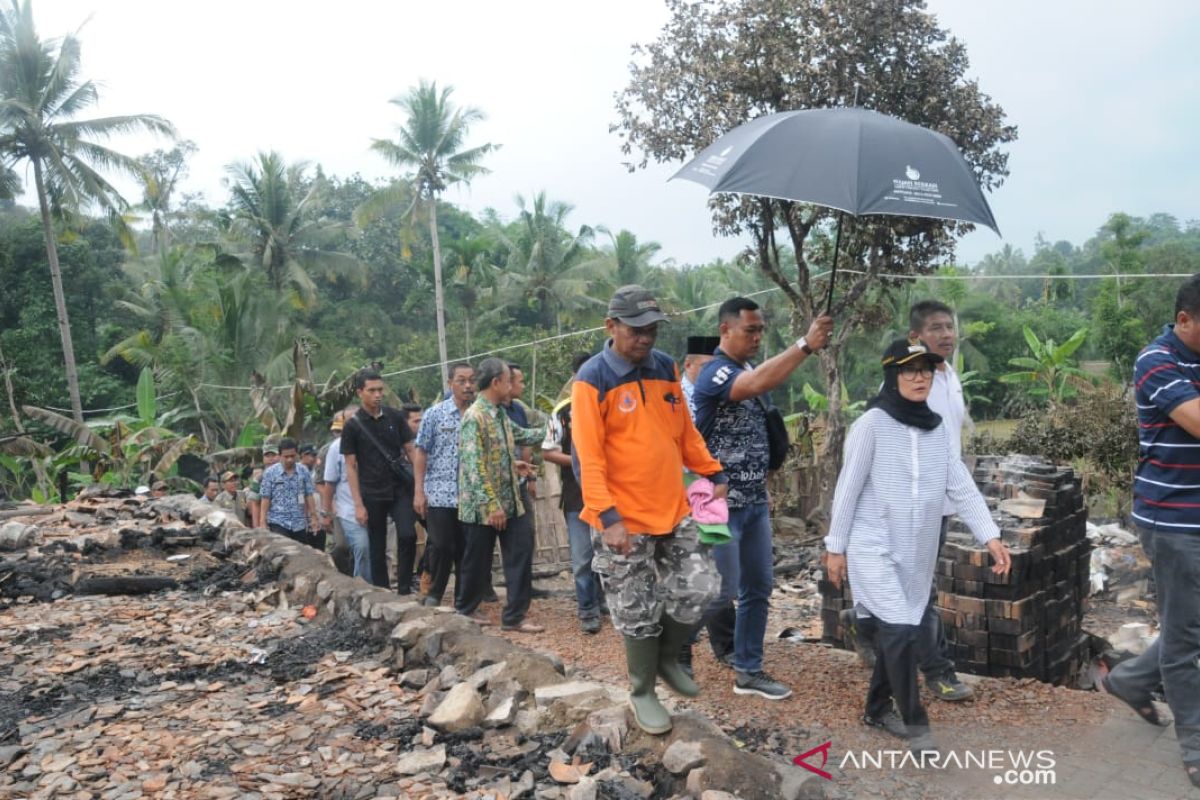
(1049, 371)
(124, 449)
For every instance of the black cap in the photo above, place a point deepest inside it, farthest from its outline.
(635, 306)
(702, 345)
(305, 449)
(902, 351)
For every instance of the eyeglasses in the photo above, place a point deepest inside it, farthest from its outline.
(645, 332)
(914, 371)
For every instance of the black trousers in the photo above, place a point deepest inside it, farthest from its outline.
(444, 543)
(400, 511)
(931, 645)
(516, 555)
(895, 675)
(315, 540)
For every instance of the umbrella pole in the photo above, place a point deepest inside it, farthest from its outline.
(837, 245)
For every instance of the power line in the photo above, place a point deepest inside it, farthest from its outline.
(896, 276)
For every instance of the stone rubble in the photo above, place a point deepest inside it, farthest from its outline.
(266, 674)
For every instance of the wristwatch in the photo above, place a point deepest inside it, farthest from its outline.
(802, 343)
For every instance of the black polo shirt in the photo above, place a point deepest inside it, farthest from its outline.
(376, 480)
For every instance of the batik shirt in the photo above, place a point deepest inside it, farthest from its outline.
(287, 492)
(438, 437)
(736, 433)
(487, 474)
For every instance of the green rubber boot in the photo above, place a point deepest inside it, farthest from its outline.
(641, 656)
(672, 638)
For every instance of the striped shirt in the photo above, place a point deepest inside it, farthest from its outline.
(1166, 489)
(887, 512)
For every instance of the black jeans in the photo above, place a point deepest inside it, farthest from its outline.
(315, 540)
(895, 675)
(931, 643)
(400, 510)
(444, 543)
(516, 554)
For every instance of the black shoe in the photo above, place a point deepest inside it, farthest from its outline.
(947, 686)
(536, 592)
(890, 722)
(590, 625)
(761, 684)
(491, 597)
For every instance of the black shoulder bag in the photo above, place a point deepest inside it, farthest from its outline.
(777, 436)
(398, 464)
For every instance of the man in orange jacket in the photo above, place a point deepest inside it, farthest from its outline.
(633, 436)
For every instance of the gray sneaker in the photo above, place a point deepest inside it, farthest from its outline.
(890, 722)
(761, 684)
(947, 686)
(590, 625)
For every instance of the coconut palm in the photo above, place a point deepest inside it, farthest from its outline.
(431, 143)
(277, 210)
(549, 270)
(41, 93)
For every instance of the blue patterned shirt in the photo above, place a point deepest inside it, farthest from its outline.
(287, 492)
(438, 437)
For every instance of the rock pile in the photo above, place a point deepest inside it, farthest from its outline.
(285, 678)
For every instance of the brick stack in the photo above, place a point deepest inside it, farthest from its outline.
(1027, 623)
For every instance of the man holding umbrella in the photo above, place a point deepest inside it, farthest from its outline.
(732, 399)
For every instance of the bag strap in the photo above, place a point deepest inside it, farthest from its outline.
(371, 438)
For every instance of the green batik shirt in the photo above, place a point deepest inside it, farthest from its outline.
(487, 476)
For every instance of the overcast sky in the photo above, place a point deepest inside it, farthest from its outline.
(1104, 94)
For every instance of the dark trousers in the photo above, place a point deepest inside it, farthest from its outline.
(444, 543)
(1173, 657)
(400, 511)
(931, 644)
(516, 555)
(315, 540)
(895, 675)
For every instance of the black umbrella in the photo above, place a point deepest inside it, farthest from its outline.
(850, 159)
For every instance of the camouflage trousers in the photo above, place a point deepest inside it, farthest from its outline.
(672, 574)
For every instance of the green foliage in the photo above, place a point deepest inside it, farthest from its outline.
(1098, 427)
(1050, 372)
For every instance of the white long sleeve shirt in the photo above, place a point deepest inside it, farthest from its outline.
(946, 398)
(887, 512)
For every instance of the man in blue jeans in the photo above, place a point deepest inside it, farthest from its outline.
(557, 450)
(1166, 509)
(732, 400)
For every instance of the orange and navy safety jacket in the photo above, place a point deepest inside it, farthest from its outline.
(632, 436)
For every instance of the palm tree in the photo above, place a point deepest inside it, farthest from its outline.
(630, 260)
(276, 209)
(40, 94)
(549, 269)
(431, 143)
(474, 276)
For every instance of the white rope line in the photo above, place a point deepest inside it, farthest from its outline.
(106, 410)
(967, 276)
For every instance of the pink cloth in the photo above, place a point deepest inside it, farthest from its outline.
(706, 509)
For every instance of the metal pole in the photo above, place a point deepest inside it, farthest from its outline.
(837, 245)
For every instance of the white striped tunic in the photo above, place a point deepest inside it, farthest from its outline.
(887, 512)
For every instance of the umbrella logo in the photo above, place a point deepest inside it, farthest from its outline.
(911, 173)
